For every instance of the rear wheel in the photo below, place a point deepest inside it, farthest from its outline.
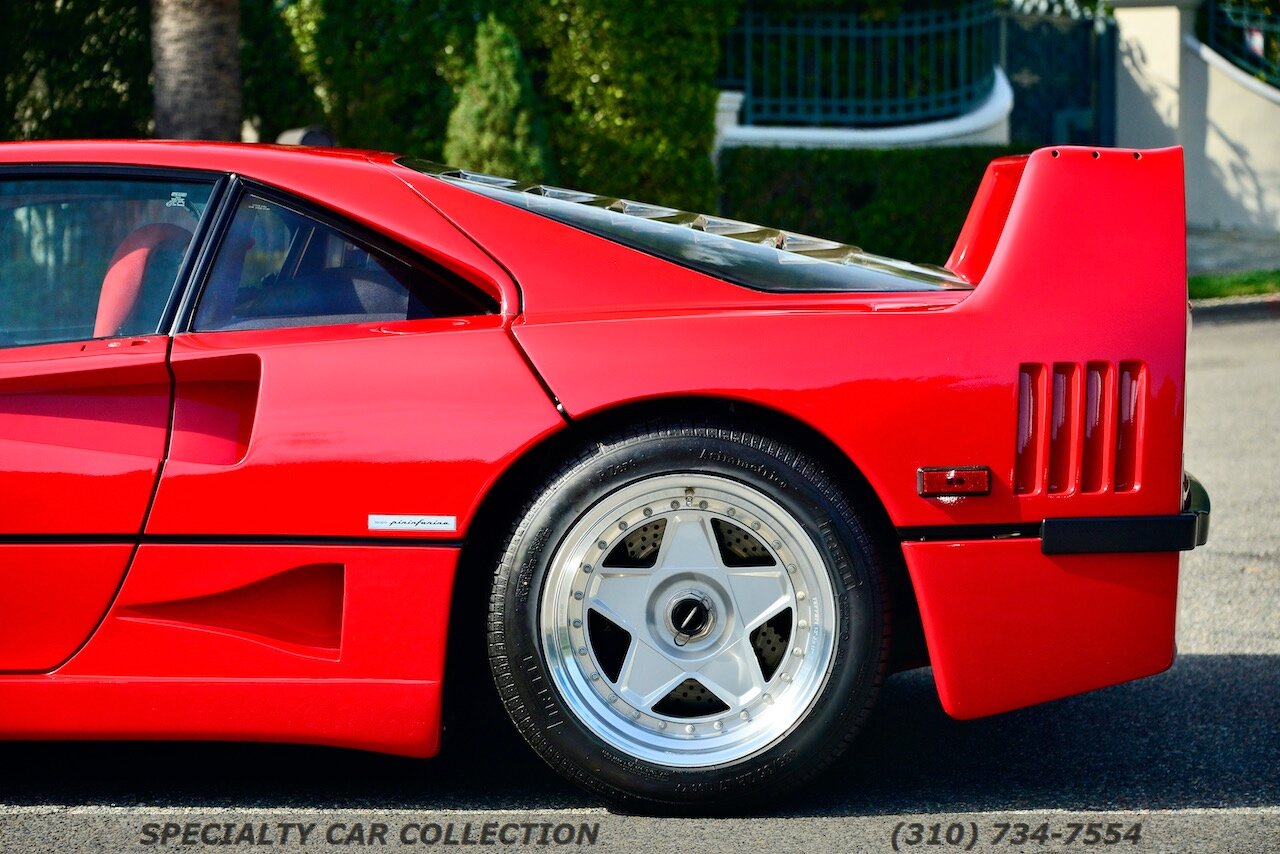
(687, 617)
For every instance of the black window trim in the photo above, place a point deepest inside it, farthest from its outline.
(239, 187)
(195, 252)
(219, 223)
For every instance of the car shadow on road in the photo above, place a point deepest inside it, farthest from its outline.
(1205, 734)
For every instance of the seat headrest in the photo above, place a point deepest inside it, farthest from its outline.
(123, 282)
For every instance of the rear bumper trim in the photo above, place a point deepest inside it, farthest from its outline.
(1092, 534)
(1114, 534)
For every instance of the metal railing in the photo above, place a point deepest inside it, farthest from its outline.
(844, 69)
(1248, 35)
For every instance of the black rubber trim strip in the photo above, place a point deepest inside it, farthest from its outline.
(286, 540)
(1087, 535)
(1115, 534)
(198, 540)
(1010, 531)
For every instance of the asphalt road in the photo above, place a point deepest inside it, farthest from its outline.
(1193, 754)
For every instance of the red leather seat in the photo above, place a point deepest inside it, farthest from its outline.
(123, 283)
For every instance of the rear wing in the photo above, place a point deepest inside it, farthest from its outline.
(985, 222)
(1071, 223)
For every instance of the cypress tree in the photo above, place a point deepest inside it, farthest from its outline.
(495, 126)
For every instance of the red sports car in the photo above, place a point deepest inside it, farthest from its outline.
(269, 417)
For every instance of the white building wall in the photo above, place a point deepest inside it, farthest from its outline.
(1231, 131)
(1173, 90)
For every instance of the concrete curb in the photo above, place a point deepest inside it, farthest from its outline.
(1227, 309)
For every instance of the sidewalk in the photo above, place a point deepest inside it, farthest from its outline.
(1214, 251)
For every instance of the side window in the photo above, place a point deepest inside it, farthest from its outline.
(278, 267)
(91, 258)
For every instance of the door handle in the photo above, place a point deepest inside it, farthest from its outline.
(110, 344)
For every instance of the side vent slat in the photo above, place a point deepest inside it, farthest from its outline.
(1133, 383)
(1063, 441)
(1079, 427)
(1032, 411)
(1099, 430)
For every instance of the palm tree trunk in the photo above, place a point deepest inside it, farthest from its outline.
(195, 48)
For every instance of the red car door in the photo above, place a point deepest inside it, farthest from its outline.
(334, 392)
(333, 385)
(88, 265)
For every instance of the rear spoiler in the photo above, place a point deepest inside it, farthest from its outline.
(1095, 213)
(982, 228)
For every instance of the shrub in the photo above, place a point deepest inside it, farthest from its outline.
(903, 202)
(495, 126)
(630, 92)
(383, 70)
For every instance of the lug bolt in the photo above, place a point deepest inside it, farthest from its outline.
(804, 624)
(577, 594)
(582, 650)
(718, 725)
(577, 624)
(586, 567)
(797, 652)
(689, 729)
(702, 505)
(648, 511)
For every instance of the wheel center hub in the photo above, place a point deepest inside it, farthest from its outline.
(690, 617)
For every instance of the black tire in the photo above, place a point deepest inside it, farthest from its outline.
(799, 485)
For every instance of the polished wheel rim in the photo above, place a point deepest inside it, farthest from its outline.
(688, 620)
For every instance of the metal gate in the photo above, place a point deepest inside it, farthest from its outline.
(1063, 73)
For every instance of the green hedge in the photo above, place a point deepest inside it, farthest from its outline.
(903, 202)
(383, 71)
(629, 86)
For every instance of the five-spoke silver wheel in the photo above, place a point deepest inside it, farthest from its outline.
(688, 620)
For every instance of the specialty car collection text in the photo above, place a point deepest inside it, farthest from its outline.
(372, 833)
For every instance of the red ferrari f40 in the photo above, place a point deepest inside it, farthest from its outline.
(273, 420)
